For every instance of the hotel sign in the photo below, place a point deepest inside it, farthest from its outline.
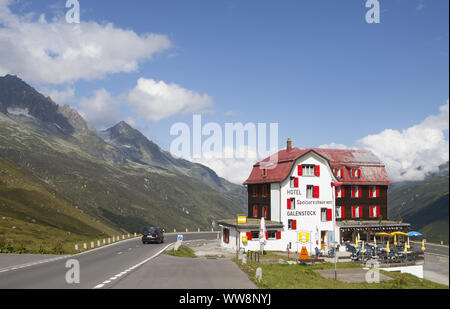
(242, 220)
(311, 213)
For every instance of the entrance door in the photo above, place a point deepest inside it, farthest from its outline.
(323, 236)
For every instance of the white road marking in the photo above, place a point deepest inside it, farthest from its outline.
(132, 268)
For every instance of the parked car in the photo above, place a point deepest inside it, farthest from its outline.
(153, 235)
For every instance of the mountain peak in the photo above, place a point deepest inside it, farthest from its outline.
(15, 94)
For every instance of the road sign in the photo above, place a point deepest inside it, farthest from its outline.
(304, 254)
(180, 238)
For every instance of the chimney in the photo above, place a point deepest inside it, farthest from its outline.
(289, 145)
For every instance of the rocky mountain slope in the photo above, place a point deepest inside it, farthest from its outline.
(117, 177)
(424, 204)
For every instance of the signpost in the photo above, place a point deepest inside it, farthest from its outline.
(179, 242)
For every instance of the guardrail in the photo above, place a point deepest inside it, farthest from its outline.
(116, 239)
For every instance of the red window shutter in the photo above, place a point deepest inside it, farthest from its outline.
(316, 192)
(359, 192)
(267, 235)
(378, 192)
(296, 182)
(329, 214)
(353, 192)
(294, 224)
(371, 211)
(300, 170)
(353, 172)
(279, 235)
(342, 172)
(354, 212)
(361, 211)
(378, 211)
(371, 192)
(342, 192)
(336, 192)
(255, 211)
(249, 235)
(342, 212)
(317, 170)
(289, 203)
(359, 173)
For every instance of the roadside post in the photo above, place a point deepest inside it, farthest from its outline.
(178, 243)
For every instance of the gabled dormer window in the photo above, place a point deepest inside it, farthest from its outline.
(339, 172)
(264, 172)
(356, 173)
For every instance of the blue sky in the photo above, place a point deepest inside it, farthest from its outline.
(315, 67)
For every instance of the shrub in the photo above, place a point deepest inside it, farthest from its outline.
(58, 248)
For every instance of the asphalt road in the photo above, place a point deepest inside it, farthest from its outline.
(96, 266)
(431, 248)
(168, 272)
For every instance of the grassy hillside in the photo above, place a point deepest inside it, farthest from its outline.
(124, 195)
(424, 204)
(31, 216)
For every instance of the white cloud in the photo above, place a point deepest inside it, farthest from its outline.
(57, 52)
(101, 110)
(130, 121)
(154, 101)
(420, 6)
(60, 97)
(413, 153)
(233, 170)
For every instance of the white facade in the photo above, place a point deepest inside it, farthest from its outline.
(311, 214)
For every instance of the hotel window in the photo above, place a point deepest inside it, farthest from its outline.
(375, 211)
(271, 234)
(356, 192)
(294, 182)
(265, 190)
(255, 191)
(265, 212)
(312, 192)
(291, 203)
(309, 192)
(292, 225)
(255, 234)
(374, 192)
(340, 192)
(338, 172)
(357, 212)
(356, 173)
(255, 211)
(323, 214)
(308, 170)
(264, 172)
(340, 212)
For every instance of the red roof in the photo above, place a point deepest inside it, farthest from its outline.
(373, 171)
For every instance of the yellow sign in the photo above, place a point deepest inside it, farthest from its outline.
(244, 239)
(242, 220)
(303, 237)
(304, 254)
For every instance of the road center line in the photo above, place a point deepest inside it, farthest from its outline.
(132, 268)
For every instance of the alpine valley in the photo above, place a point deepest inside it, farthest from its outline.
(61, 180)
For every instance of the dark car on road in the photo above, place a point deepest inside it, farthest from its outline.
(153, 235)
